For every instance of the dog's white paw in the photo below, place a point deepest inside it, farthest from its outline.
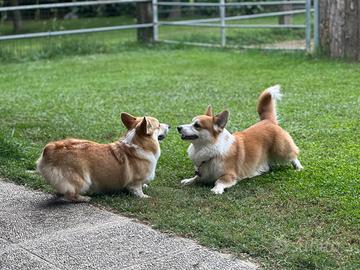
(217, 190)
(77, 199)
(145, 185)
(297, 165)
(186, 182)
(85, 199)
(144, 196)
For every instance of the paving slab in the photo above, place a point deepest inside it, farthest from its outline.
(37, 232)
(18, 258)
(4, 244)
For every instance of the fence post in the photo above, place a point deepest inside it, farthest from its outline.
(16, 17)
(308, 25)
(316, 24)
(286, 19)
(222, 20)
(155, 20)
(144, 14)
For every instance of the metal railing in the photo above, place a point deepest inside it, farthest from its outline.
(75, 31)
(222, 19)
(69, 4)
(218, 22)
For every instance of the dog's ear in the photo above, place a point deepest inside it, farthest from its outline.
(128, 120)
(209, 111)
(221, 119)
(143, 128)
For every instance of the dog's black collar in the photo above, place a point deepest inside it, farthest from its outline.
(197, 171)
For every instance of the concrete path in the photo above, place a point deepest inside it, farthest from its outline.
(37, 233)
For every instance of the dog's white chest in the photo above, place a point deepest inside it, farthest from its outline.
(152, 159)
(151, 174)
(208, 157)
(210, 171)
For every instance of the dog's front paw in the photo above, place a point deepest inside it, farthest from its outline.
(217, 190)
(85, 199)
(187, 182)
(142, 196)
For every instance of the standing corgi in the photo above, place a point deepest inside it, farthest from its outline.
(75, 167)
(224, 158)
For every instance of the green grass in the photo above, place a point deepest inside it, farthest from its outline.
(284, 219)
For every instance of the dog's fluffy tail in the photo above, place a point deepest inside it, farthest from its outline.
(266, 107)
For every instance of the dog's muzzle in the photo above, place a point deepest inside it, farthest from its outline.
(189, 137)
(163, 135)
(184, 136)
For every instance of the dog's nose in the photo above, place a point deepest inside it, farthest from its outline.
(179, 128)
(169, 126)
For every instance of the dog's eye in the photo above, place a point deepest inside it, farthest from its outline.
(196, 125)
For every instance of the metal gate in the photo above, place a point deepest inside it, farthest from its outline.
(221, 22)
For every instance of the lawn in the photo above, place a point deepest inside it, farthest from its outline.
(282, 220)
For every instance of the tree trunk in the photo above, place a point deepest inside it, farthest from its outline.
(286, 19)
(175, 11)
(340, 28)
(144, 14)
(16, 17)
(191, 11)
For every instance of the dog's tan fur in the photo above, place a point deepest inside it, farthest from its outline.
(242, 154)
(74, 167)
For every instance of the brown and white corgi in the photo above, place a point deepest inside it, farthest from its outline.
(75, 167)
(224, 158)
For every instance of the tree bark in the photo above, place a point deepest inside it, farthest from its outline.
(352, 34)
(16, 17)
(144, 14)
(340, 28)
(37, 11)
(175, 11)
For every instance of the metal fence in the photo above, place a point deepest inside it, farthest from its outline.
(75, 31)
(221, 22)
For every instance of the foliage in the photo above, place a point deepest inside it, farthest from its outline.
(121, 9)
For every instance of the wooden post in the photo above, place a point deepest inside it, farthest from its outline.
(316, 25)
(144, 14)
(222, 22)
(16, 17)
(340, 28)
(286, 19)
(308, 26)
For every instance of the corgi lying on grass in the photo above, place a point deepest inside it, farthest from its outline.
(223, 158)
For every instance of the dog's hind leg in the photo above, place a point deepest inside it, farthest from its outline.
(74, 187)
(296, 164)
(285, 150)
